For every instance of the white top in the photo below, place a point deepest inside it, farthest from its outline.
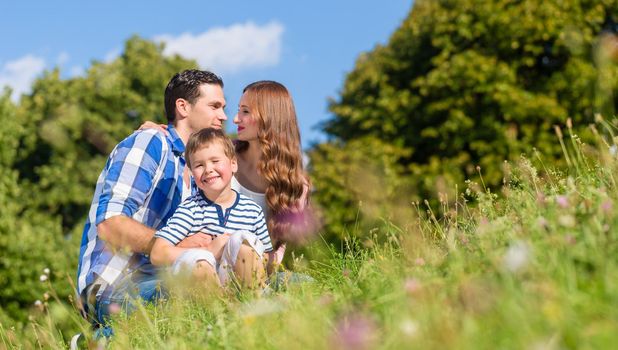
(259, 198)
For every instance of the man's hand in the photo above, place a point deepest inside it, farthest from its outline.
(198, 240)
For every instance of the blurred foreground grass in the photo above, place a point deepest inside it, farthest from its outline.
(535, 267)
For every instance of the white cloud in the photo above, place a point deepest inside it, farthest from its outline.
(229, 49)
(76, 71)
(112, 55)
(62, 58)
(20, 73)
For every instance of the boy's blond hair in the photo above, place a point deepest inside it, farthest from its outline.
(206, 137)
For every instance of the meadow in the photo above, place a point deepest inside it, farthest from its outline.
(533, 266)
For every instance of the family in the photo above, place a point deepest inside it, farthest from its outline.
(186, 196)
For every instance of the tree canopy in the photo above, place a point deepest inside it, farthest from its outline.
(466, 83)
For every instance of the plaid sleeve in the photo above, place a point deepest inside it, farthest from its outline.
(260, 229)
(180, 225)
(131, 169)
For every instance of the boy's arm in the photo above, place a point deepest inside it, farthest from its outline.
(164, 252)
(178, 227)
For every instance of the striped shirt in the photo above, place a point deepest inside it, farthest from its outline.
(142, 179)
(200, 214)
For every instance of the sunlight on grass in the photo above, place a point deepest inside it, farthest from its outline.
(534, 266)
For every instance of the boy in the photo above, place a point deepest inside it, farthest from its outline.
(230, 217)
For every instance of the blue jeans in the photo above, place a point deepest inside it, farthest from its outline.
(132, 289)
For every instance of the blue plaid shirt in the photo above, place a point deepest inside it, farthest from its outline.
(142, 179)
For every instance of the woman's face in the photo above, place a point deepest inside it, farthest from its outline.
(246, 121)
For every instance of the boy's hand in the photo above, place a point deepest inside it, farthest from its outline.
(198, 240)
(217, 244)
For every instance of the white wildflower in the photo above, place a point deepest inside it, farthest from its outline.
(516, 256)
(43, 278)
(408, 327)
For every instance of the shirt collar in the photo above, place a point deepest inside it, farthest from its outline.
(178, 147)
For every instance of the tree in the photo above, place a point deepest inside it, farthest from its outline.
(466, 83)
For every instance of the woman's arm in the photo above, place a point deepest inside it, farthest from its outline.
(152, 125)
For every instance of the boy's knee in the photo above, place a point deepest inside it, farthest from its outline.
(203, 271)
(249, 268)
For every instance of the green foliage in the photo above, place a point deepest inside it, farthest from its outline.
(30, 241)
(365, 181)
(462, 84)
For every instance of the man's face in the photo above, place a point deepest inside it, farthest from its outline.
(207, 111)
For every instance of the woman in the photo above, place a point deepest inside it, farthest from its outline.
(270, 169)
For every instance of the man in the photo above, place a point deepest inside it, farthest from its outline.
(143, 182)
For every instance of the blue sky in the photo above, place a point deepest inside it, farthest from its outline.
(308, 46)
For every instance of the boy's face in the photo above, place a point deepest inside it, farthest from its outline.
(213, 170)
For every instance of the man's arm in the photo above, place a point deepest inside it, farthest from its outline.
(122, 232)
(130, 178)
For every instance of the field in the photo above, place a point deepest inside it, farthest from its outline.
(533, 266)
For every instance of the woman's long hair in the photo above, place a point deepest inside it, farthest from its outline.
(281, 160)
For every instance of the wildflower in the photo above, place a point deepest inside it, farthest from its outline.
(346, 273)
(355, 332)
(43, 278)
(562, 201)
(46, 296)
(326, 299)
(46, 271)
(419, 261)
(540, 198)
(613, 150)
(516, 257)
(38, 303)
(607, 206)
(408, 327)
(566, 220)
(542, 222)
(570, 239)
(412, 286)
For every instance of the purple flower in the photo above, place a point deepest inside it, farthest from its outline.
(355, 332)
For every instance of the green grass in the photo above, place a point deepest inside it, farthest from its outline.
(535, 267)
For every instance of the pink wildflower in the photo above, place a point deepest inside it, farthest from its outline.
(355, 332)
(412, 286)
(562, 201)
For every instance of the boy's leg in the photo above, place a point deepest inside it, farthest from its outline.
(242, 257)
(249, 268)
(200, 262)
